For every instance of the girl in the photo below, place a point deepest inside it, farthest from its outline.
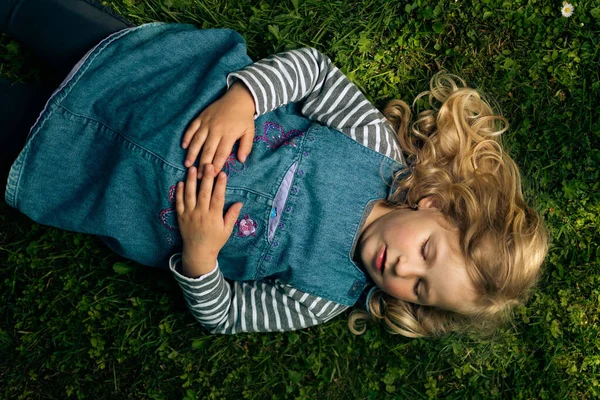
(320, 211)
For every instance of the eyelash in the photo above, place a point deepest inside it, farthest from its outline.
(416, 289)
(423, 248)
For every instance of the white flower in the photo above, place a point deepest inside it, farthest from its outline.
(567, 9)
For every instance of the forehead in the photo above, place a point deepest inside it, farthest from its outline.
(454, 289)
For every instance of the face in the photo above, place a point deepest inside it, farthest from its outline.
(411, 256)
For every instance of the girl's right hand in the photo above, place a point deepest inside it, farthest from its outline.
(204, 230)
(219, 126)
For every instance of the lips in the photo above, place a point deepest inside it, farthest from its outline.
(380, 259)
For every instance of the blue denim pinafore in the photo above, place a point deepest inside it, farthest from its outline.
(104, 158)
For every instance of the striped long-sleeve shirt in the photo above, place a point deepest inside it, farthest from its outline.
(326, 96)
(231, 307)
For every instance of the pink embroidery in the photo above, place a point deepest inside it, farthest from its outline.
(274, 136)
(233, 164)
(168, 216)
(246, 226)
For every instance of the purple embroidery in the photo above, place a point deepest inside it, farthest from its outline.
(274, 136)
(233, 164)
(168, 217)
(246, 226)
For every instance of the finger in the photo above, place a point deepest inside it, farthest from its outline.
(231, 217)
(195, 146)
(206, 186)
(218, 197)
(221, 155)
(189, 133)
(209, 149)
(245, 145)
(179, 204)
(190, 189)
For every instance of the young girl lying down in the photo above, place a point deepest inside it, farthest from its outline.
(275, 191)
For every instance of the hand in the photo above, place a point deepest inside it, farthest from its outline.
(219, 126)
(203, 228)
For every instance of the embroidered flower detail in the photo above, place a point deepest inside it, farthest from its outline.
(232, 164)
(246, 226)
(567, 9)
(168, 217)
(275, 137)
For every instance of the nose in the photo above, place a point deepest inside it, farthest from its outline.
(408, 267)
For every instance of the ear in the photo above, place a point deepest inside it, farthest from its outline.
(429, 202)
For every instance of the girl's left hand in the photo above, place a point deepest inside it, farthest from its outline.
(203, 227)
(219, 126)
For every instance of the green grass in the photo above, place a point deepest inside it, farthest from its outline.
(73, 326)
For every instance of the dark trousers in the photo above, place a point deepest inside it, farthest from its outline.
(60, 32)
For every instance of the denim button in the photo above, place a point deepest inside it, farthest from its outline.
(294, 190)
(268, 258)
(275, 244)
(301, 172)
(305, 153)
(288, 209)
(356, 288)
(282, 225)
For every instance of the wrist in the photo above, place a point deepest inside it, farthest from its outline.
(243, 96)
(194, 265)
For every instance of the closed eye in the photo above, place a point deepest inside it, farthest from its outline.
(423, 248)
(416, 289)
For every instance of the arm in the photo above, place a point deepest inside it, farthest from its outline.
(304, 76)
(218, 305)
(326, 95)
(234, 307)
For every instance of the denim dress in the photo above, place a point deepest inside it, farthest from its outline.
(105, 156)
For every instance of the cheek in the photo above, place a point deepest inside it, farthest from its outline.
(366, 251)
(399, 289)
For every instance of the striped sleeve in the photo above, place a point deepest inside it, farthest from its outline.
(326, 95)
(234, 307)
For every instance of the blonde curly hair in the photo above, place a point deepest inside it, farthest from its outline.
(454, 153)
